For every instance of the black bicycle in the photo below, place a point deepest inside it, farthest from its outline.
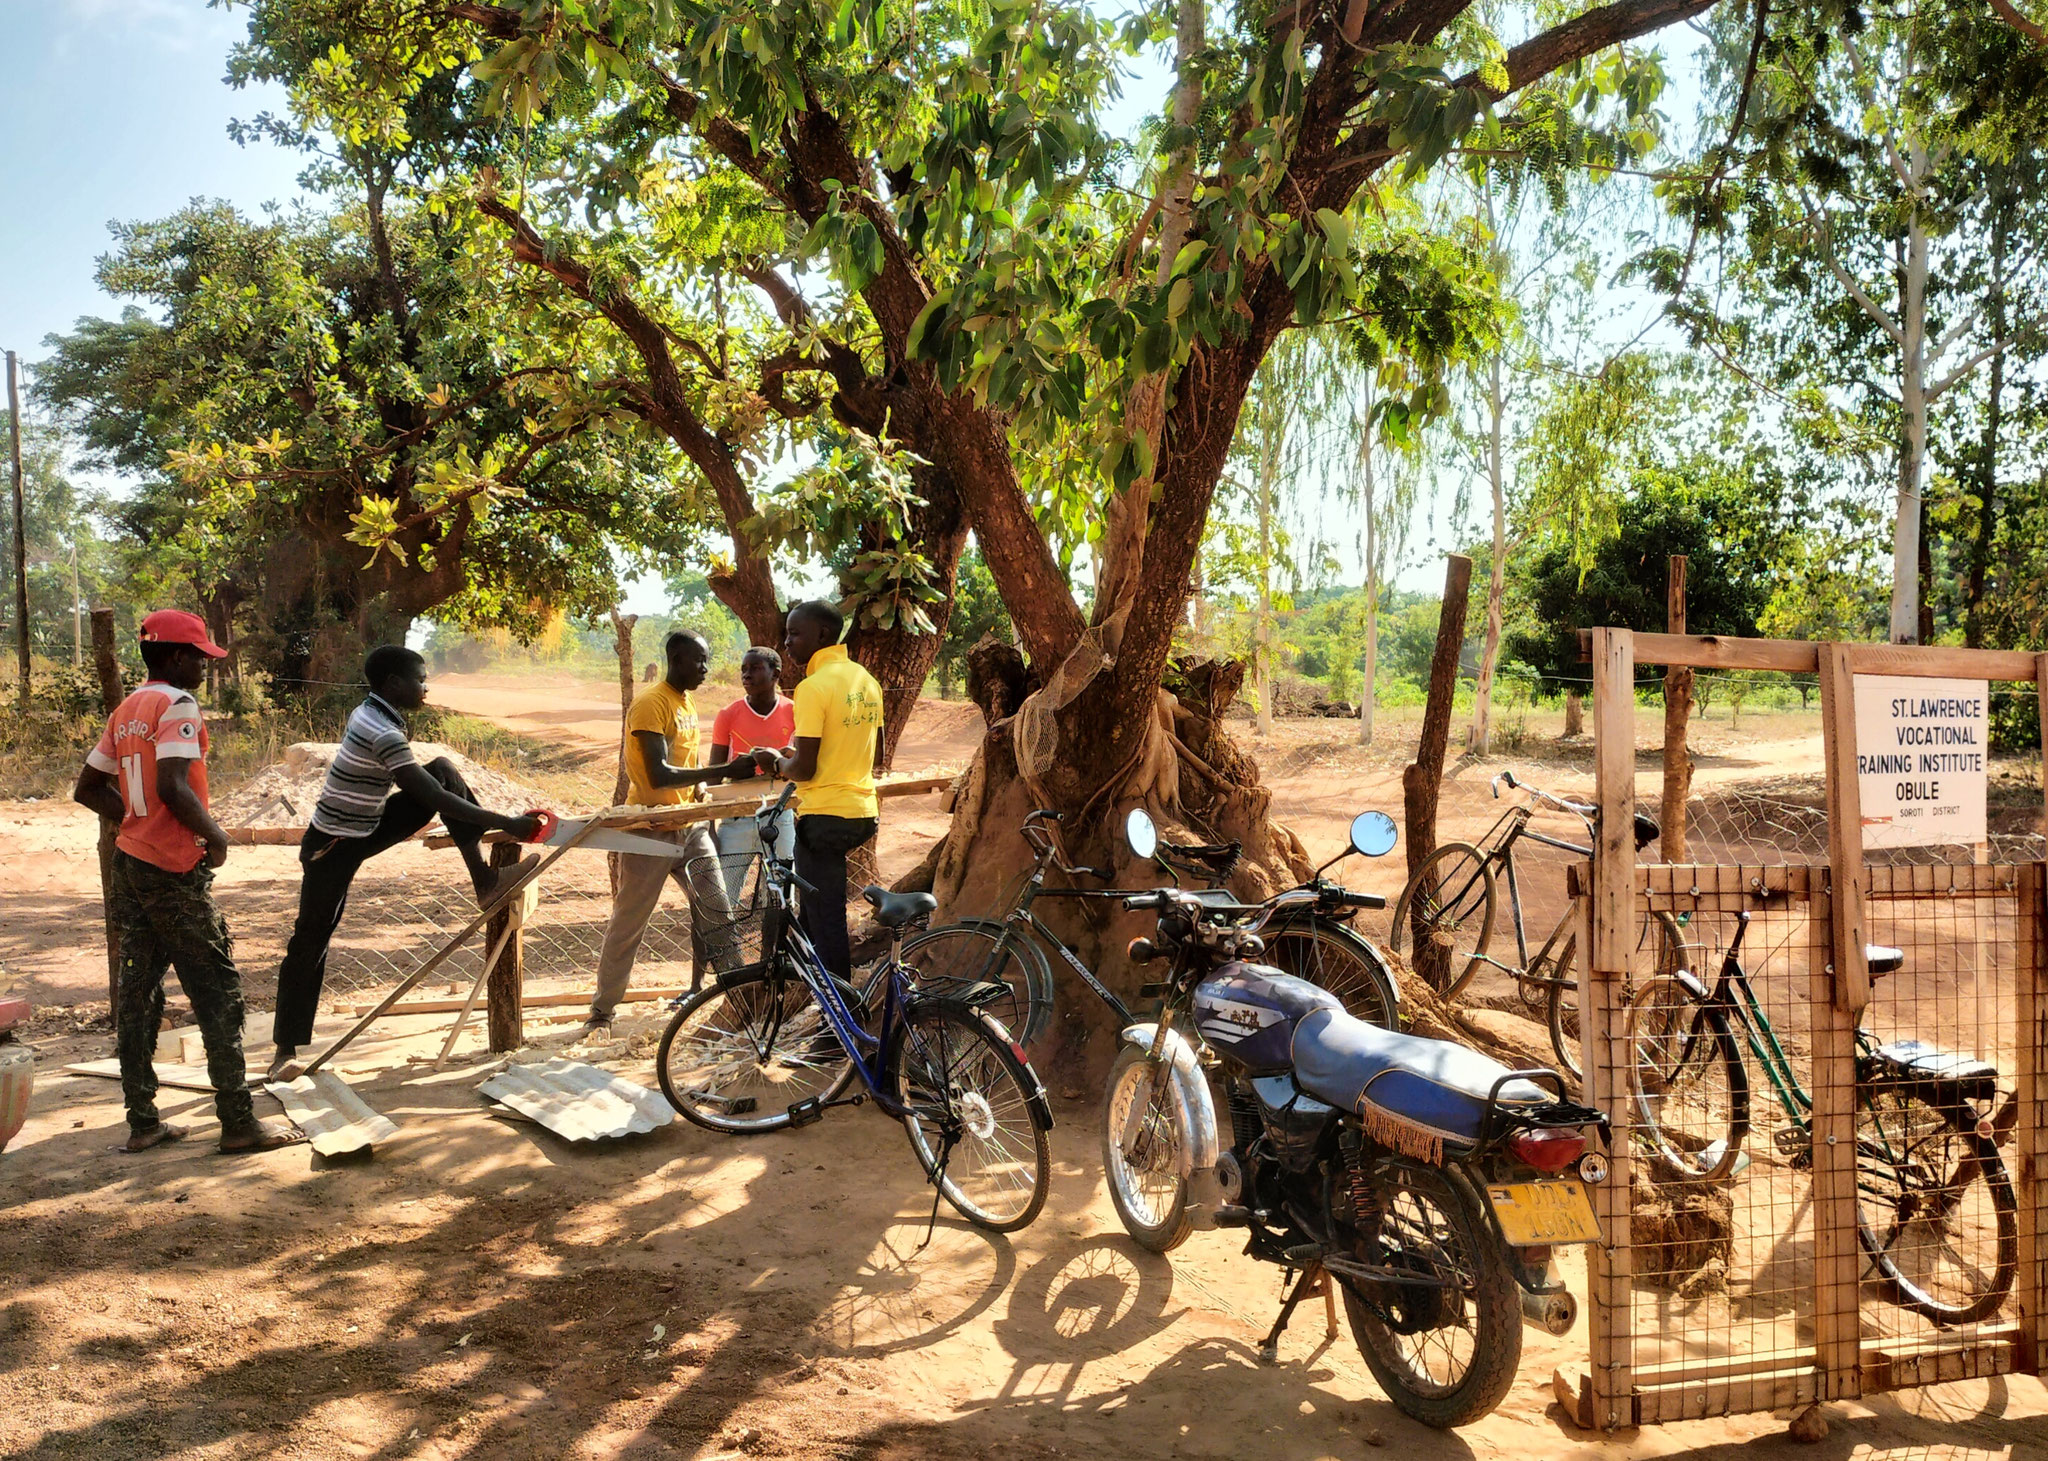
(1309, 937)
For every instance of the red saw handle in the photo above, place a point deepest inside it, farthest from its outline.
(545, 823)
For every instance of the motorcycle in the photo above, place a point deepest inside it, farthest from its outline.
(1428, 1183)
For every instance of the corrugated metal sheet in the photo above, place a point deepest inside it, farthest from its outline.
(334, 1118)
(177, 1077)
(577, 1100)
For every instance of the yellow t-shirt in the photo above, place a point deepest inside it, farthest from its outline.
(661, 707)
(840, 705)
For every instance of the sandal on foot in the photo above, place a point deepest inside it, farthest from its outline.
(153, 1136)
(264, 1136)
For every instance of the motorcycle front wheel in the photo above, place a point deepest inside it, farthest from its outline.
(1442, 1331)
(1145, 1182)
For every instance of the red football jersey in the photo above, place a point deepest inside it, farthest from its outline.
(157, 721)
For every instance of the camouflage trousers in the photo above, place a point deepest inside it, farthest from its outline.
(167, 920)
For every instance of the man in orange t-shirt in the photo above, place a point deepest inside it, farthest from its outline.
(764, 716)
(148, 773)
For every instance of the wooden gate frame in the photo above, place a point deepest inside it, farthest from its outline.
(1839, 1366)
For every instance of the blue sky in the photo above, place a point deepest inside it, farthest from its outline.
(116, 110)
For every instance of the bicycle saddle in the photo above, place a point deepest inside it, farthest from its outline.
(1221, 858)
(1883, 960)
(1646, 830)
(893, 910)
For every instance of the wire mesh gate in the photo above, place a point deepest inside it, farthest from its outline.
(1826, 1170)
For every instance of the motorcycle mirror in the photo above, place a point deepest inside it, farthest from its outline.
(1141, 834)
(1373, 834)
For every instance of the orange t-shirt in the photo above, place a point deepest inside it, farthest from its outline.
(156, 722)
(740, 728)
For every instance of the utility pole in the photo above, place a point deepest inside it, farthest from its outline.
(20, 531)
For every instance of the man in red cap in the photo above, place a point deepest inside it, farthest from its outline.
(148, 773)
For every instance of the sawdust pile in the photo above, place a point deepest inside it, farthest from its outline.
(282, 795)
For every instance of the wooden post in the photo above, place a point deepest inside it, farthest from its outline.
(2030, 1136)
(1837, 1263)
(1677, 707)
(622, 646)
(1423, 779)
(1610, 939)
(20, 530)
(508, 973)
(111, 694)
(1845, 827)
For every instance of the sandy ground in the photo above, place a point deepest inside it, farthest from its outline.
(478, 1288)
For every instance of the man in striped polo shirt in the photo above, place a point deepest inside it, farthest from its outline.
(376, 796)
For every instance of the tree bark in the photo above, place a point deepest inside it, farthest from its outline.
(1423, 780)
(1905, 624)
(1368, 695)
(1677, 709)
(1987, 456)
(1575, 714)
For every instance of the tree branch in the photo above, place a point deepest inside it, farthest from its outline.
(2009, 13)
(1824, 237)
(1935, 391)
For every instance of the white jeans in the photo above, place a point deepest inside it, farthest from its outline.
(739, 839)
(641, 880)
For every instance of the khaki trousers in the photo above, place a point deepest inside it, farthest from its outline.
(696, 872)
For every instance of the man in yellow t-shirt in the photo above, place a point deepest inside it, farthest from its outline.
(664, 767)
(838, 745)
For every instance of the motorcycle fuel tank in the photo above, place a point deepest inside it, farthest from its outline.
(1247, 1013)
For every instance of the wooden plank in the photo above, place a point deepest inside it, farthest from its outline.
(1909, 1364)
(335, 1119)
(1716, 652)
(1943, 662)
(1696, 1368)
(2030, 1135)
(1574, 1393)
(1845, 828)
(1614, 793)
(1722, 889)
(1942, 881)
(1737, 1395)
(1832, 1080)
(1677, 715)
(1610, 1297)
(526, 1001)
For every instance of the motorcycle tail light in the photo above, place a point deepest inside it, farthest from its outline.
(1550, 1149)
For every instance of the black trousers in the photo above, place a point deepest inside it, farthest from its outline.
(330, 865)
(821, 847)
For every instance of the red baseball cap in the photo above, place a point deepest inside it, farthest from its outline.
(175, 626)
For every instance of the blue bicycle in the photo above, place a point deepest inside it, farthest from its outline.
(776, 1043)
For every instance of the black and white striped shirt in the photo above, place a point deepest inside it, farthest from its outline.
(373, 748)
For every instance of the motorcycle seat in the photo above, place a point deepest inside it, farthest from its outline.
(893, 910)
(1436, 1084)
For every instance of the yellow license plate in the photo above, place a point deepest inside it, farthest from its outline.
(1534, 1214)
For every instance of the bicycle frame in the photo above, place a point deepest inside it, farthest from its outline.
(1497, 848)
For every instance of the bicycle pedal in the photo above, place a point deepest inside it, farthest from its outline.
(804, 1112)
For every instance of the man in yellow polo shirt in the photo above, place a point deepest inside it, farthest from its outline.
(838, 745)
(664, 768)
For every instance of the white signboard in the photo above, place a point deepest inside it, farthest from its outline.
(1920, 759)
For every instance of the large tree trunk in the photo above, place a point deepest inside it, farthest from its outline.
(1905, 625)
(1987, 456)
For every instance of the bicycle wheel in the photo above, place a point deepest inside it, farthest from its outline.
(1934, 1207)
(958, 1081)
(1686, 1074)
(739, 1053)
(1145, 1184)
(1561, 1011)
(1332, 957)
(1444, 918)
(943, 961)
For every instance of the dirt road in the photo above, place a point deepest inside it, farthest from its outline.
(480, 1289)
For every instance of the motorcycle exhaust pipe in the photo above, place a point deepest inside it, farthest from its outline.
(1552, 1313)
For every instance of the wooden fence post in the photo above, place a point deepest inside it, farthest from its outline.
(108, 663)
(1837, 1263)
(1677, 708)
(508, 975)
(1610, 939)
(2030, 1136)
(1845, 827)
